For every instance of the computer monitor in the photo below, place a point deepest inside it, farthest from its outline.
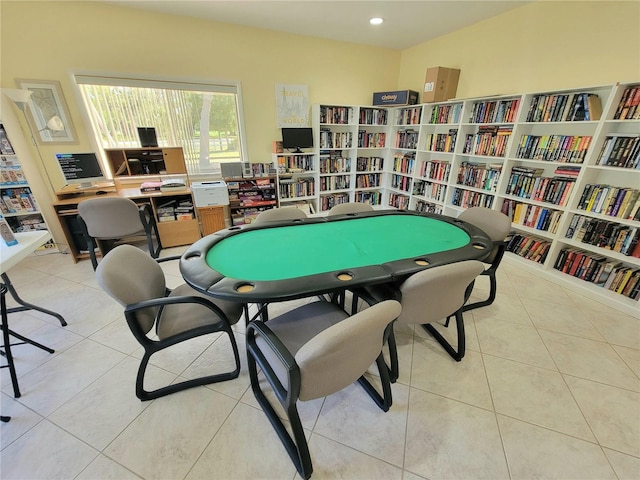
(83, 169)
(297, 138)
(147, 136)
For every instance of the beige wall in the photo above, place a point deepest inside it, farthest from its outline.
(542, 46)
(49, 40)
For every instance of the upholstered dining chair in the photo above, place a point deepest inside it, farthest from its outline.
(427, 297)
(349, 207)
(106, 220)
(313, 351)
(136, 281)
(497, 225)
(279, 214)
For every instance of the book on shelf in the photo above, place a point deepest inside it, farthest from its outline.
(629, 104)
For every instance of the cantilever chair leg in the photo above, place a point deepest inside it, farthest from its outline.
(385, 399)
(143, 394)
(456, 355)
(493, 285)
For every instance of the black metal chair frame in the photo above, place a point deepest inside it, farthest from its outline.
(493, 284)
(149, 225)
(296, 445)
(152, 346)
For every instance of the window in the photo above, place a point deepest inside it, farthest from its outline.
(204, 120)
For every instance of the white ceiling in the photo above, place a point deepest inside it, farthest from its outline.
(407, 22)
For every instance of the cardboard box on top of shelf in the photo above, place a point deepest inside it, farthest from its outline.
(440, 84)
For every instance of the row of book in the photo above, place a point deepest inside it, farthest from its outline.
(502, 111)
(428, 207)
(329, 139)
(434, 191)
(446, 113)
(435, 170)
(244, 217)
(406, 139)
(629, 105)
(373, 116)
(401, 182)
(18, 200)
(371, 139)
(327, 202)
(554, 148)
(260, 169)
(28, 223)
(300, 187)
(532, 216)
(620, 151)
(288, 163)
(600, 270)
(334, 164)
(441, 142)
(479, 175)
(409, 116)
(468, 198)
(604, 234)
(404, 162)
(369, 164)
(401, 202)
(335, 182)
(336, 115)
(528, 247)
(371, 197)
(175, 210)
(612, 201)
(490, 140)
(368, 180)
(572, 107)
(12, 175)
(527, 183)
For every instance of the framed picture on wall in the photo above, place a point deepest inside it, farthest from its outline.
(48, 113)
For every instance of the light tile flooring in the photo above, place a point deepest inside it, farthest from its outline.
(549, 389)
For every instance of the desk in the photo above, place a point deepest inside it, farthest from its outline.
(262, 263)
(172, 233)
(28, 242)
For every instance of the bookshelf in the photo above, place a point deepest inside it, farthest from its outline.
(249, 196)
(18, 203)
(532, 155)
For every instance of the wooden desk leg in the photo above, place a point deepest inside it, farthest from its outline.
(25, 305)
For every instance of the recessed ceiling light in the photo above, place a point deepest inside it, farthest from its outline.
(376, 21)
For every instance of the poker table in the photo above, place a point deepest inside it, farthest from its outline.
(279, 261)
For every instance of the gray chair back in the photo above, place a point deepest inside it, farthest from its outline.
(279, 214)
(110, 217)
(494, 223)
(129, 275)
(338, 356)
(350, 207)
(436, 293)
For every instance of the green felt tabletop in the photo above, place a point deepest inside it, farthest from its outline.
(306, 249)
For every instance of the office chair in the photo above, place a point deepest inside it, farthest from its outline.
(137, 282)
(279, 214)
(349, 207)
(426, 297)
(311, 352)
(497, 225)
(105, 220)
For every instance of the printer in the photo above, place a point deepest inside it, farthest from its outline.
(210, 194)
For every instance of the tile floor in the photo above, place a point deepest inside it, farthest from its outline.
(549, 389)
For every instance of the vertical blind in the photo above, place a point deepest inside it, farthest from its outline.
(205, 120)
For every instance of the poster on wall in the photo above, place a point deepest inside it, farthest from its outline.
(292, 105)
